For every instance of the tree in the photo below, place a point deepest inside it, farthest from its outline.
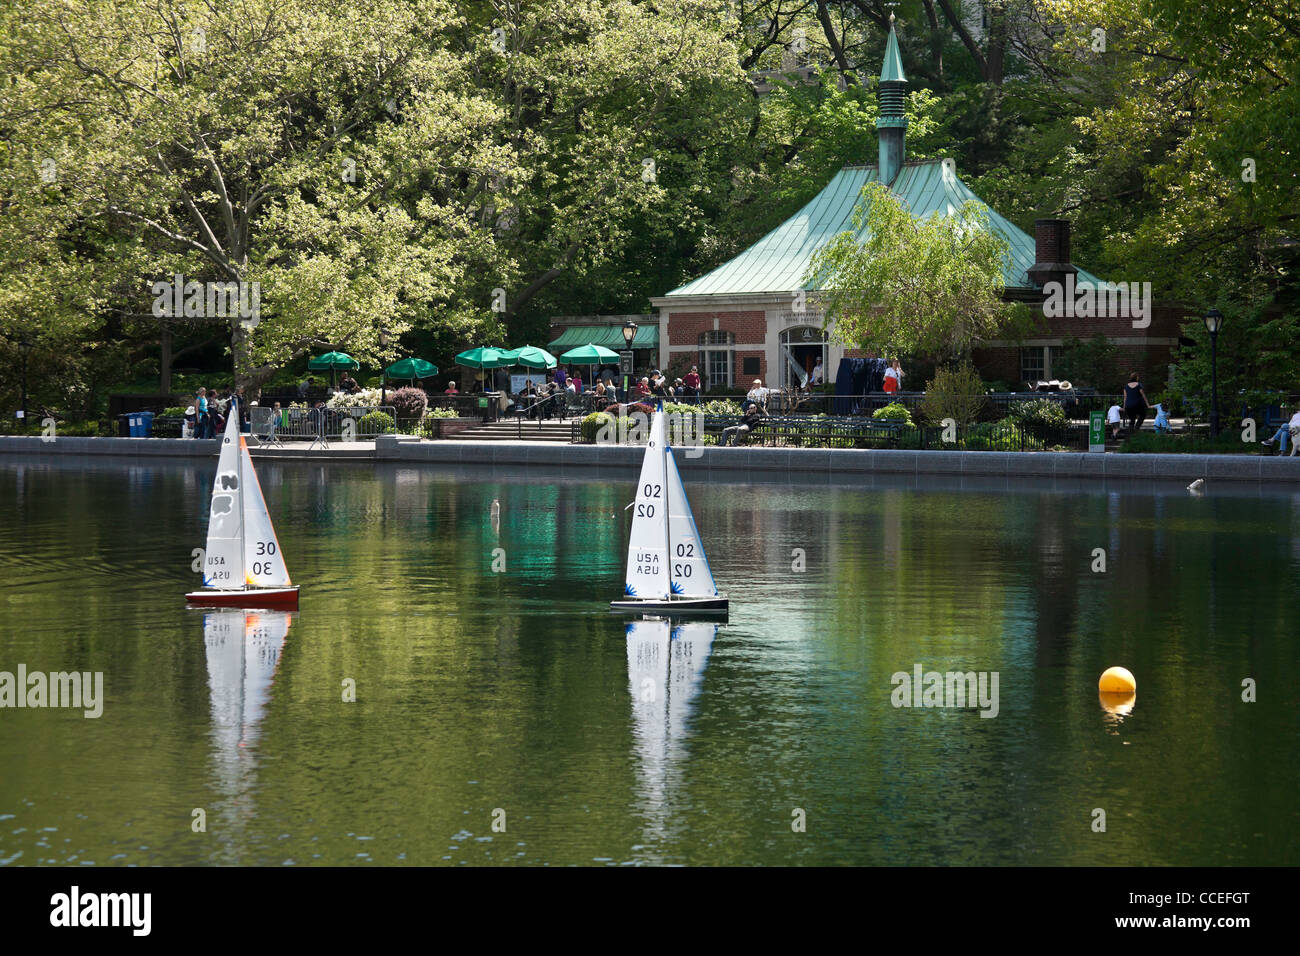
(896, 285)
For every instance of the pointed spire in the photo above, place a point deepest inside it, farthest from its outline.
(892, 70)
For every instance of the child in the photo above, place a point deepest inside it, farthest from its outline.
(1114, 418)
(1162, 420)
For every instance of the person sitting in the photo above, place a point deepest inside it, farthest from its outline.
(450, 389)
(818, 376)
(349, 384)
(1288, 432)
(642, 390)
(757, 394)
(571, 387)
(748, 422)
(600, 388)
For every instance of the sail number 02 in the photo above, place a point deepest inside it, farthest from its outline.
(649, 491)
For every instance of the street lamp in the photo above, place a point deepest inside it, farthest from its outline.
(1214, 322)
(24, 346)
(629, 333)
(383, 372)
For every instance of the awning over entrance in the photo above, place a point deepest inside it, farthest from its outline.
(608, 336)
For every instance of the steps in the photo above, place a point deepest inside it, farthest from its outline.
(555, 431)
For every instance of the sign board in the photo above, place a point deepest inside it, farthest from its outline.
(625, 363)
(482, 403)
(1096, 431)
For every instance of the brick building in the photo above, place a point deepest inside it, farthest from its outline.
(755, 316)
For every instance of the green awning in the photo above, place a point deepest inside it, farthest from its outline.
(606, 336)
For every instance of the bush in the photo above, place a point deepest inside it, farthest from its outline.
(177, 411)
(442, 413)
(592, 424)
(1228, 443)
(957, 393)
(409, 402)
(893, 412)
(376, 423)
(719, 406)
(341, 400)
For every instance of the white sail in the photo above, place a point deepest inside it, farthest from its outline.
(223, 563)
(647, 549)
(689, 568)
(263, 563)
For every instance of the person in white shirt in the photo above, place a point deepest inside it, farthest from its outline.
(1114, 418)
(570, 387)
(893, 376)
(1290, 430)
(818, 374)
(757, 394)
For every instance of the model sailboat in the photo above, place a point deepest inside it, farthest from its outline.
(242, 566)
(666, 567)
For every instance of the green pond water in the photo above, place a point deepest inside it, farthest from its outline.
(508, 718)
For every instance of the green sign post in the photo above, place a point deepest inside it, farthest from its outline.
(1097, 431)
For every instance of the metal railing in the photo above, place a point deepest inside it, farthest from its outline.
(319, 425)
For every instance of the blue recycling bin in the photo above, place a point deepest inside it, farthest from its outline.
(133, 425)
(146, 424)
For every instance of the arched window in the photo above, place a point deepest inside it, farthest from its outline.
(801, 348)
(716, 358)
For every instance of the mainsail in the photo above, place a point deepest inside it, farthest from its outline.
(223, 563)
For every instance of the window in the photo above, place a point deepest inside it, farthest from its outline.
(1032, 364)
(715, 358)
(749, 365)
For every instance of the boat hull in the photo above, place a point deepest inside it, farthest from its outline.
(710, 605)
(252, 597)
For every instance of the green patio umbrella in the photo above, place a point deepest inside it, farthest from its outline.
(530, 356)
(485, 358)
(589, 355)
(333, 361)
(411, 368)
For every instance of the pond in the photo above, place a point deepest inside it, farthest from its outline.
(503, 715)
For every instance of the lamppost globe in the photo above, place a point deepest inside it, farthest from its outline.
(629, 333)
(1213, 323)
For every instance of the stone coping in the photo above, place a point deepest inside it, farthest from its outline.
(795, 463)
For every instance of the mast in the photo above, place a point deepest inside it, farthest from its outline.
(668, 541)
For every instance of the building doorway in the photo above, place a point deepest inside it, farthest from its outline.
(801, 348)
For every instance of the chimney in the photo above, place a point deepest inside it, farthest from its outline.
(891, 124)
(1051, 252)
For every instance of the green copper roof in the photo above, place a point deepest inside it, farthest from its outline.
(778, 261)
(892, 71)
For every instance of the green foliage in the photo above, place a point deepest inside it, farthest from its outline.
(591, 426)
(720, 406)
(900, 285)
(893, 412)
(441, 413)
(376, 423)
(1090, 363)
(957, 393)
(1040, 417)
(1228, 443)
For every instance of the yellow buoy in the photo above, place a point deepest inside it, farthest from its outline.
(1117, 680)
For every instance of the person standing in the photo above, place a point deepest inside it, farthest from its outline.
(1114, 418)
(1135, 403)
(692, 383)
(201, 406)
(893, 377)
(818, 376)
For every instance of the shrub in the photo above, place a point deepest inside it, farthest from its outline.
(893, 412)
(719, 406)
(376, 423)
(409, 402)
(177, 411)
(592, 424)
(342, 400)
(1041, 417)
(957, 393)
(441, 413)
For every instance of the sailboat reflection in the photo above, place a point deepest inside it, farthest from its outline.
(243, 651)
(665, 669)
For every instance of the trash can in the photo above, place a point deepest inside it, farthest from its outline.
(124, 426)
(146, 424)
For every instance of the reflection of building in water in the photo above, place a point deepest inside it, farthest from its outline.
(665, 669)
(243, 650)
